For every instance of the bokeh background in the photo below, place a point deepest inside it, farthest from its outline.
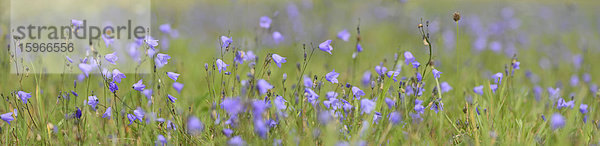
(554, 40)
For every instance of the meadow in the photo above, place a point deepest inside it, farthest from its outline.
(323, 73)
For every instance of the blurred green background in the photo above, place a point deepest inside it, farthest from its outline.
(546, 36)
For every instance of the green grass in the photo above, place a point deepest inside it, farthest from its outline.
(512, 116)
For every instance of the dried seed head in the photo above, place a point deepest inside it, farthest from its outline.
(456, 16)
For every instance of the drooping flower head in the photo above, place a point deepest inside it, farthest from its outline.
(161, 59)
(393, 75)
(577, 60)
(497, 77)
(380, 69)
(232, 106)
(259, 107)
(278, 60)
(494, 87)
(171, 98)
(326, 46)
(308, 83)
(395, 118)
(194, 125)
(347, 106)
(139, 86)
(437, 106)
(165, 28)
(263, 86)
(537, 92)
(74, 93)
(445, 87)
(24, 96)
(376, 117)
(236, 141)
(150, 52)
(177, 86)
(367, 105)
(117, 75)
(148, 94)
(586, 77)
(151, 42)
(277, 37)
(366, 78)
(553, 93)
(574, 80)
(265, 22)
(332, 77)
(111, 58)
(516, 65)
(173, 75)
(139, 114)
(239, 57)
(260, 128)
(85, 68)
(331, 94)
(227, 132)
(331, 102)
(478, 90)
(419, 77)
(436, 73)
(221, 66)
(344, 35)
(161, 139)
(311, 95)
(78, 113)
(561, 103)
(249, 56)
(357, 92)
(69, 59)
(108, 113)
(359, 47)
(93, 101)
(76, 23)
(583, 108)
(225, 41)
(416, 64)
(419, 108)
(390, 103)
(324, 117)
(280, 103)
(7, 117)
(131, 118)
(408, 57)
(557, 121)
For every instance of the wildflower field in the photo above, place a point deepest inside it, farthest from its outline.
(310, 72)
